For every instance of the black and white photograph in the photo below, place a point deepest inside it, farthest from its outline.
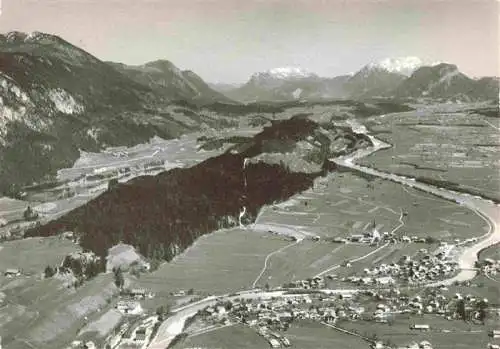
(249, 174)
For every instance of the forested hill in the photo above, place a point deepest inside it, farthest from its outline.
(164, 214)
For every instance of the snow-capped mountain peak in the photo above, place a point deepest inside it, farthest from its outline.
(283, 73)
(401, 65)
(289, 72)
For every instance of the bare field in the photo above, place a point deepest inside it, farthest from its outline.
(458, 146)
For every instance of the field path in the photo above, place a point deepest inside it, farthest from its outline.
(357, 259)
(268, 257)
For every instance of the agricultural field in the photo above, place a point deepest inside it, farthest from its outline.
(303, 335)
(32, 255)
(237, 336)
(306, 259)
(492, 252)
(222, 262)
(313, 335)
(45, 314)
(343, 203)
(11, 209)
(459, 146)
(443, 334)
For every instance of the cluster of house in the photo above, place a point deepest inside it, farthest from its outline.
(375, 237)
(129, 307)
(141, 333)
(276, 314)
(490, 266)
(426, 268)
(129, 303)
(414, 345)
(391, 302)
(316, 282)
(275, 339)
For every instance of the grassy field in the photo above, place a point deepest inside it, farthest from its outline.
(343, 204)
(34, 254)
(313, 335)
(443, 334)
(307, 259)
(44, 314)
(460, 147)
(238, 336)
(11, 209)
(302, 335)
(491, 252)
(225, 261)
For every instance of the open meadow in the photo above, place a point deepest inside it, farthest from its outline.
(32, 255)
(222, 262)
(232, 337)
(301, 334)
(443, 334)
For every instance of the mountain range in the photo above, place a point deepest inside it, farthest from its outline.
(406, 77)
(55, 99)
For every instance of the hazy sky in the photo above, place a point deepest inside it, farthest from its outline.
(228, 40)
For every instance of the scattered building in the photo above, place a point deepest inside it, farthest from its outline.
(10, 273)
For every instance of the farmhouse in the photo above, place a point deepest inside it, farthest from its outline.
(12, 273)
(140, 334)
(274, 343)
(421, 327)
(140, 293)
(129, 307)
(495, 333)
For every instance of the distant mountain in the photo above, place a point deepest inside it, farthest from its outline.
(405, 77)
(223, 87)
(372, 81)
(445, 81)
(288, 83)
(164, 77)
(55, 99)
